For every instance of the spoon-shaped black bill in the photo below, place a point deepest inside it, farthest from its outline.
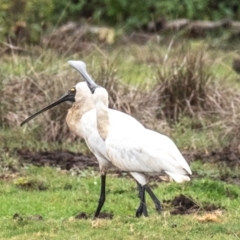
(69, 96)
(81, 68)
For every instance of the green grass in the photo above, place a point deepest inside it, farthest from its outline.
(28, 138)
(65, 195)
(191, 133)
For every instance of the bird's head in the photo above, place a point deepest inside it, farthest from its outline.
(81, 68)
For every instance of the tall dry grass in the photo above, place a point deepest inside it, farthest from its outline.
(182, 86)
(24, 96)
(185, 86)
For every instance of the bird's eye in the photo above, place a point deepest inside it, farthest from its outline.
(72, 90)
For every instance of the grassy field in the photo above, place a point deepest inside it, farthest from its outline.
(49, 213)
(43, 202)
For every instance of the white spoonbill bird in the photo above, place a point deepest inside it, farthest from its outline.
(81, 119)
(142, 152)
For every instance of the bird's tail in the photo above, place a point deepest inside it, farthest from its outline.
(179, 178)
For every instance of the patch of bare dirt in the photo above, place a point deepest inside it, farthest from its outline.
(182, 204)
(81, 215)
(228, 155)
(67, 159)
(63, 159)
(17, 217)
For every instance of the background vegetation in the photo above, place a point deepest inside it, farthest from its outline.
(38, 16)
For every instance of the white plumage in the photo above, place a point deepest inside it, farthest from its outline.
(147, 152)
(141, 152)
(92, 138)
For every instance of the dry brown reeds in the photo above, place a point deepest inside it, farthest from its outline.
(182, 86)
(185, 86)
(23, 96)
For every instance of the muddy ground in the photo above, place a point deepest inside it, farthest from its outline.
(67, 160)
(63, 159)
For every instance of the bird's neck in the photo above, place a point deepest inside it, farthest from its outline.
(76, 112)
(103, 124)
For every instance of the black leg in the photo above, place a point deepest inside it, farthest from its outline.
(154, 198)
(139, 187)
(102, 196)
(142, 209)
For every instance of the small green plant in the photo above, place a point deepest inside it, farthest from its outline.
(31, 183)
(9, 166)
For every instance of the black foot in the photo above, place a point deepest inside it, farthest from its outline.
(142, 209)
(154, 198)
(102, 196)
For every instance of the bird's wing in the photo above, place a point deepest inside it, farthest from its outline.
(145, 152)
(126, 154)
(165, 144)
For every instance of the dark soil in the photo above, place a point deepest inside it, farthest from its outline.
(67, 160)
(81, 215)
(63, 159)
(17, 217)
(227, 155)
(182, 204)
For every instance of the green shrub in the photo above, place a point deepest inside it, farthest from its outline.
(37, 15)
